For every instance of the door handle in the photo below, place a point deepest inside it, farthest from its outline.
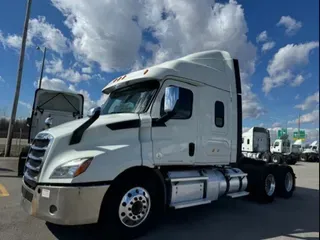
(191, 149)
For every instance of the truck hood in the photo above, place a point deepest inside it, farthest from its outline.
(67, 128)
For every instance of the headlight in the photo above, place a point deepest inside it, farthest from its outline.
(72, 168)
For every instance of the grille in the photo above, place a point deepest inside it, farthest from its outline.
(35, 159)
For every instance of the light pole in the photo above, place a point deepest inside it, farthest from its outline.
(19, 76)
(42, 66)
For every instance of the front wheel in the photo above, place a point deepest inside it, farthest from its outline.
(132, 209)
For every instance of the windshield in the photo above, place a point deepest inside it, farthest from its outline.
(131, 99)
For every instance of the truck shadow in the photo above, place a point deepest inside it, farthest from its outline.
(297, 217)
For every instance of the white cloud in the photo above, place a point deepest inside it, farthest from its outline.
(297, 81)
(86, 70)
(261, 124)
(297, 97)
(281, 68)
(55, 67)
(2, 80)
(268, 46)
(60, 85)
(262, 37)
(50, 36)
(291, 25)
(276, 125)
(39, 32)
(309, 102)
(312, 117)
(172, 23)
(73, 76)
(25, 104)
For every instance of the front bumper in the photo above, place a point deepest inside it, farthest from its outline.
(64, 205)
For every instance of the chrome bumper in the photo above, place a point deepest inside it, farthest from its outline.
(64, 205)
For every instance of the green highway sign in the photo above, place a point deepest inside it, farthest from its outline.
(282, 132)
(302, 135)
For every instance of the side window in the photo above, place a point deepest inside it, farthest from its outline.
(248, 141)
(276, 144)
(183, 106)
(219, 114)
(242, 140)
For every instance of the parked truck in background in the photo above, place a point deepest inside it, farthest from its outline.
(167, 136)
(282, 153)
(310, 153)
(50, 108)
(256, 144)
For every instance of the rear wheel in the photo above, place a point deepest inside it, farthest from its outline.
(266, 157)
(303, 157)
(131, 209)
(261, 182)
(285, 179)
(312, 158)
(276, 158)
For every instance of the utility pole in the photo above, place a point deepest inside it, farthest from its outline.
(299, 127)
(19, 76)
(43, 60)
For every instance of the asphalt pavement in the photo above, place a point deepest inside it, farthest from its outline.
(295, 218)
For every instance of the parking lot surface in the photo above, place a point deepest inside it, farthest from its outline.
(295, 218)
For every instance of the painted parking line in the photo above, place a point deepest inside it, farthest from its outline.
(3, 191)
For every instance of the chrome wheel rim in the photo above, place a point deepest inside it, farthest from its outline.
(134, 207)
(288, 182)
(274, 159)
(270, 185)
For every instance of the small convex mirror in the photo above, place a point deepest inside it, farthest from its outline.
(92, 111)
(171, 97)
(48, 121)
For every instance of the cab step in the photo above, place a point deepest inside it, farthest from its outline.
(191, 203)
(238, 194)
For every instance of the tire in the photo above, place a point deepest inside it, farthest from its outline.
(258, 176)
(266, 157)
(303, 157)
(312, 158)
(276, 158)
(291, 160)
(285, 180)
(142, 195)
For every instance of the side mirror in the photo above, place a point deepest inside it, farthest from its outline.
(28, 122)
(94, 111)
(171, 97)
(48, 122)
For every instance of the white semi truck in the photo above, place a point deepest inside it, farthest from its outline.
(281, 151)
(310, 153)
(256, 144)
(50, 108)
(167, 136)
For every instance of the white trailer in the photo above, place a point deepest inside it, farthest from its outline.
(167, 136)
(256, 144)
(50, 108)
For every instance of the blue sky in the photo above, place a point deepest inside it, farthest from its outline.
(108, 39)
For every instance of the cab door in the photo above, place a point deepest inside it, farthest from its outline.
(175, 141)
(215, 129)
